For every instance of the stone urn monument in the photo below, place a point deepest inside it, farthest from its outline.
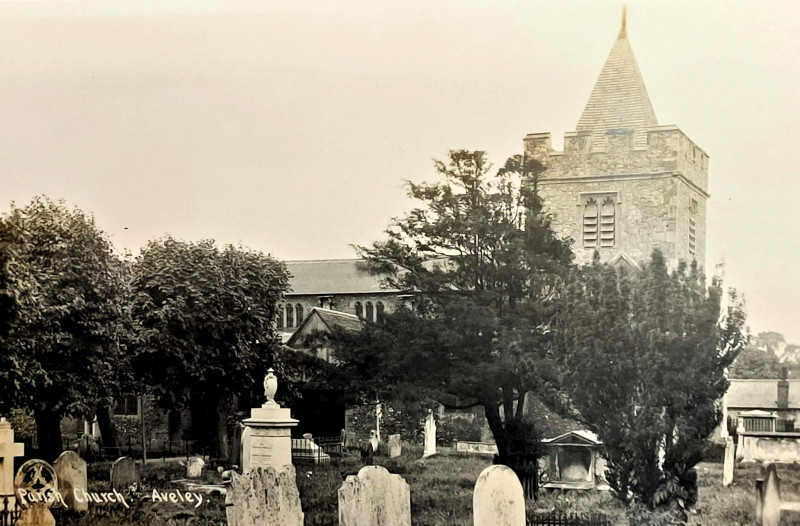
(267, 437)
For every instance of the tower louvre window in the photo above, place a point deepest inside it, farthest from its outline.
(599, 217)
(693, 228)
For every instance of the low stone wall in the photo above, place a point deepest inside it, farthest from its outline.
(768, 447)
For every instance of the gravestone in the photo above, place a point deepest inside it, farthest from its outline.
(727, 467)
(768, 496)
(263, 496)
(498, 499)
(36, 487)
(430, 436)
(373, 441)
(124, 473)
(236, 447)
(395, 446)
(8, 450)
(374, 497)
(194, 468)
(71, 472)
(267, 441)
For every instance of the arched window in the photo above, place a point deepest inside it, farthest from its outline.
(359, 309)
(289, 315)
(370, 313)
(280, 316)
(379, 311)
(607, 222)
(298, 309)
(590, 222)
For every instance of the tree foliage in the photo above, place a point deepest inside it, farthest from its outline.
(484, 264)
(64, 316)
(205, 317)
(645, 359)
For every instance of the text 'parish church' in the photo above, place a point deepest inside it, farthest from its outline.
(623, 185)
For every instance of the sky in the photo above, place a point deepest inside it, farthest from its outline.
(290, 127)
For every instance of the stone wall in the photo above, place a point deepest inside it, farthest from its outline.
(768, 447)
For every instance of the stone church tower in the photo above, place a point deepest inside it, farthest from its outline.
(623, 184)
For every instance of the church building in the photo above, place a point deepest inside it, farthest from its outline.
(623, 184)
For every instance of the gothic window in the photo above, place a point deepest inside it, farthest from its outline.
(370, 313)
(289, 315)
(298, 309)
(280, 316)
(379, 311)
(599, 221)
(128, 406)
(359, 309)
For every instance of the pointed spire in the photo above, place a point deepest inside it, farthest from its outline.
(619, 99)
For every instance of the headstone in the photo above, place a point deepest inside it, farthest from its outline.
(71, 472)
(498, 499)
(374, 441)
(430, 436)
(730, 457)
(194, 468)
(36, 486)
(267, 441)
(374, 497)
(768, 498)
(263, 496)
(8, 450)
(395, 446)
(124, 473)
(236, 447)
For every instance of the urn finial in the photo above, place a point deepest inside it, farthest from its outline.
(270, 387)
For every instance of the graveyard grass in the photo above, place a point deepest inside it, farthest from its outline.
(441, 494)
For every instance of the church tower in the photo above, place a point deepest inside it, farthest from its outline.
(623, 185)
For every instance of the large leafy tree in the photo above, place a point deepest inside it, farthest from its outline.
(206, 317)
(484, 264)
(645, 359)
(64, 316)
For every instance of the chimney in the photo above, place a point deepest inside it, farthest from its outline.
(783, 390)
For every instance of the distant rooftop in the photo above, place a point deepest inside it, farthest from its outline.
(760, 394)
(332, 276)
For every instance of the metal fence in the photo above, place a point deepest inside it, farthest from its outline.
(9, 510)
(562, 518)
(316, 450)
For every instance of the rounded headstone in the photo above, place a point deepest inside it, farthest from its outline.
(498, 499)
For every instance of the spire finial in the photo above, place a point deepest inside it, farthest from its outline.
(622, 32)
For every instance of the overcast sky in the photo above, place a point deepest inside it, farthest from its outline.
(291, 126)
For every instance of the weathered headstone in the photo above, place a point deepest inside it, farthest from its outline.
(374, 497)
(430, 435)
(727, 466)
(36, 486)
(264, 496)
(768, 497)
(71, 472)
(498, 499)
(236, 446)
(8, 450)
(374, 441)
(194, 468)
(395, 446)
(124, 473)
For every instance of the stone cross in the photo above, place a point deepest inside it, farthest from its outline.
(374, 497)
(8, 451)
(498, 499)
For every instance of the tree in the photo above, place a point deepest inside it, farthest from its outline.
(645, 359)
(484, 263)
(206, 320)
(63, 290)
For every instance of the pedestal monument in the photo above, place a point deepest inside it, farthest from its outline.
(267, 438)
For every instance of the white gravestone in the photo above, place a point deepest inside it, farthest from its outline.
(8, 451)
(267, 439)
(727, 466)
(194, 468)
(374, 497)
(395, 446)
(430, 436)
(498, 499)
(374, 441)
(71, 472)
(264, 497)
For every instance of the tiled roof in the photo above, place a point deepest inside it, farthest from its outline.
(619, 99)
(335, 318)
(760, 394)
(332, 276)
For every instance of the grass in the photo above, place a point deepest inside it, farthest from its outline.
(441, 494)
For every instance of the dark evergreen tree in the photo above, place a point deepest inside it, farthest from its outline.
(645, 355)
(484, 264)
